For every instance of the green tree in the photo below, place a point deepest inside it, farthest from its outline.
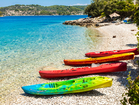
(110, 7)
(1, 13)
(95, 9)
(125, 9)
(36, 13)
(136, 20)
(107, 7)
(136, 16)
(44, 12)
(16, 10)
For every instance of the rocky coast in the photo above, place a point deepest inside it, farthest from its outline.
(88, 22)
(114, 37)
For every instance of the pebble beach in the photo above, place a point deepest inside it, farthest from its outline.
(113, 37)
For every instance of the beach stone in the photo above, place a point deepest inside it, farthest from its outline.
(114, 36)
(132, 30)
(89, 25)
(79, 20)
(117, 23)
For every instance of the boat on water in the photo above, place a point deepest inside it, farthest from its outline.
(102, 68)
(115, 57)
(68, 86)
(108, 53)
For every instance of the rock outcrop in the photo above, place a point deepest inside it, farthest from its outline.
(88, 22)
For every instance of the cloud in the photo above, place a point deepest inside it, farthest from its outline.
(80, 4)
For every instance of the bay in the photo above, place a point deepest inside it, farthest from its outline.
(28, 43)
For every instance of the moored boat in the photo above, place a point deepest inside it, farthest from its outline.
(103, 68)
(108, 53)
(68, 86)
(115, 57)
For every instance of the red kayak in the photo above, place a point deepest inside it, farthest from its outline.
(103, 68)
(107, 53)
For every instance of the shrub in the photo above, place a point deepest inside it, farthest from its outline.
(136, 16)
(44, 12)
(136, 20)
(103, 14)
(132, 94)
(1, 13)
(17, 10)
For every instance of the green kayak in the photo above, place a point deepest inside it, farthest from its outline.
(68, 86)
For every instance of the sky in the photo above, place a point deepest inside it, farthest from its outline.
(5, 3)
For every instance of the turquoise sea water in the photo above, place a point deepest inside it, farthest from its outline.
(30, 42)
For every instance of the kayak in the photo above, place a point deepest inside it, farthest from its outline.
(107, 53)
(68, 86)
(115, 57)
(103, 68)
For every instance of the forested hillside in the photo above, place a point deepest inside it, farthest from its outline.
(19, 10)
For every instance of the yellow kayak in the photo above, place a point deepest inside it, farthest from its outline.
(115, 57)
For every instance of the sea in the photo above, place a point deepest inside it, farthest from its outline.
(30, 43)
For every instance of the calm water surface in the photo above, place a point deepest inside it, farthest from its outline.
(30, 42)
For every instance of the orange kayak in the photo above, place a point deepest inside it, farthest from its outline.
(115, 57)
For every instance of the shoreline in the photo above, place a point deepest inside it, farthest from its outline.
(42, 15)
(125, 39)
